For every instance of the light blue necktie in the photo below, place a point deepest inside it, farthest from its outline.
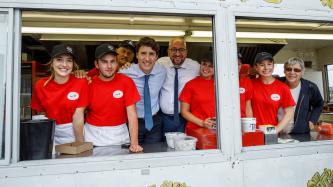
(147, 105)
(175, 100)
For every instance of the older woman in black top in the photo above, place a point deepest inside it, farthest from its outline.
(305, 93)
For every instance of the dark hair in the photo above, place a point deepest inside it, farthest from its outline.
(149, 42)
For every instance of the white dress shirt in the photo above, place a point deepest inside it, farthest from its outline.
(187, 71)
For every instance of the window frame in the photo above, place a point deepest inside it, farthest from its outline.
(280, 150)
(144, 160)
(8, 86)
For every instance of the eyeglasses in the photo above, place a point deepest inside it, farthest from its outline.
(296, 70)
(174, 50)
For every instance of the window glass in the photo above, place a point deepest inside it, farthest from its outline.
(184, 42)
(285, 61)
(3, 52)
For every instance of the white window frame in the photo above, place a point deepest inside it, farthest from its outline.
(221, 19)
(279, 150)
(8, 87)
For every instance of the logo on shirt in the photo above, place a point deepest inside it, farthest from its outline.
(275, 97)
(72, 96)
(241, 90)
(118, 94)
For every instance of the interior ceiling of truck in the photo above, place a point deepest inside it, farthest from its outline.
(253, 35)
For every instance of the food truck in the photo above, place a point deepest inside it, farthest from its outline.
(285, 28)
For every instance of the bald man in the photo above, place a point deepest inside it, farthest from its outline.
(180, 70)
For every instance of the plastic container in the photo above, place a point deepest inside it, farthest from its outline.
(326, 128)
(36, 139)
(186, 144)
(170, 136)
(248, 124)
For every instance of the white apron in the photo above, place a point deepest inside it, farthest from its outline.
(106, 135)
(64, 133)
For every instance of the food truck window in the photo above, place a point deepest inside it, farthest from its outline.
(285, 61)
(4, 36)
(185, 39)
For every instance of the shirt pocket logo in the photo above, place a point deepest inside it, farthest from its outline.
(72, 96)
(275, 97)
(241, 90)
(118, 94)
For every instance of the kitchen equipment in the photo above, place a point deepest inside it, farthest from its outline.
(185, 144)
(206, 137)
(36, 139)
(170, 136)
(253, 138)
(248, 124)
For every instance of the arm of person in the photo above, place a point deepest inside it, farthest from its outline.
(185, 111)
(248, 109)
(133, 129)
(288, 115)
(78, 122)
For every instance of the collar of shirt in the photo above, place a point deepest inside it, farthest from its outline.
(156, 69)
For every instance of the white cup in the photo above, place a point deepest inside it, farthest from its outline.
(248, 124)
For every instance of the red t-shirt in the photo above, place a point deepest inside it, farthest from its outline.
(93, 72)
(59, 101)
(266, 100)
(245, 93)
(108, 100)
(199, 93)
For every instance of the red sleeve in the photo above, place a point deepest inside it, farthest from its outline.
(249, 89)
(186, 95)
(35, 103)
(288, 99)
(93, 72)
(132, 95)
(84, 95)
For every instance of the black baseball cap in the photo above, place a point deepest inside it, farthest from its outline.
(207, 57)
(263, 56)
(103, 49)
(128, 44)
(62, 49)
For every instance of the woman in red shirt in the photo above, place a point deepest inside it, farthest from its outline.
(269, 94)
(62, 97)
(198, 98)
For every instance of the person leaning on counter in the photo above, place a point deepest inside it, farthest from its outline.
(269, 94)
(112, 99)
(305, 93)
(62, 97)
(148, 77)
(197, 100)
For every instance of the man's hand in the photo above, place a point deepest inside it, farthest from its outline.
(82, 74)
(135, 148)
(126, 65)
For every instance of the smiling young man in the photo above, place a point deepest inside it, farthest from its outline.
(125, 57)
(305, 93)
(112, 99)
(148, 77)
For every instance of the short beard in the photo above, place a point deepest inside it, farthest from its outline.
(106, 76)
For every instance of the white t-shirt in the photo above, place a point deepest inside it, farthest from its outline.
(295, 93)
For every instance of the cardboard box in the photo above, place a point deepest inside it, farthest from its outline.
(74, 148)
